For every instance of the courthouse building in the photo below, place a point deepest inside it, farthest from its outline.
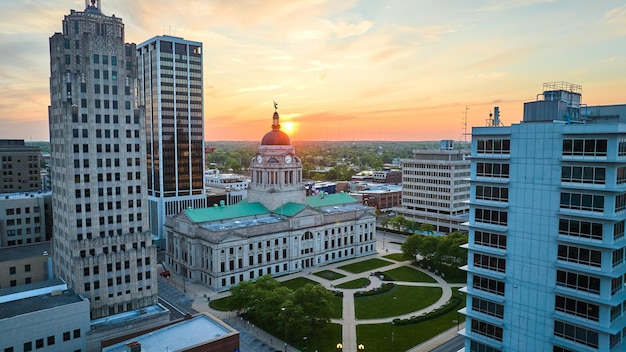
(277, 230)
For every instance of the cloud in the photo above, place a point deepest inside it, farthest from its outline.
(259, 88)
(502, 5)
(616, 18)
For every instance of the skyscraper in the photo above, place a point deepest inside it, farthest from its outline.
(546, 265)
(101, 242)
(171, 91)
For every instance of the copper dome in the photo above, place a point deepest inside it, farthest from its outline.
(275, 136)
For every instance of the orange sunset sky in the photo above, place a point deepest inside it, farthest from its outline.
(344, 69)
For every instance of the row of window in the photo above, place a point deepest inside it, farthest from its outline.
(489, 216)
(583, 174)
(489, 239)
(581, 229)
(576, 334)
(579, 255)
(582, 201)
(494, 193)
(488, 285)
(578, 308)
(488, 307)
(486, 329)
(584, 147)
(578, 282)
(493, 146)
(489, 262)
(18, 211)
(42, 343)
(113, 249)
(498, 170)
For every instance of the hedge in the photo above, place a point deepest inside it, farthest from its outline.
(451, 305)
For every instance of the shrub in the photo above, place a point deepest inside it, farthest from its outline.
(451, 305)
(384, 288)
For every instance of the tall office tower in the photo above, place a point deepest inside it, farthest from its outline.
(19, 166)
(102, 246)
(170, 69)
(546, 264)
(435, 188)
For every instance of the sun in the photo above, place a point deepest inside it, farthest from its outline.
(288, 126)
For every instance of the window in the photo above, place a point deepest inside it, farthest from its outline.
(576, 334)
(39, 343)
(582, 229)
(486, 329)
(488, 307)
(488, 285)
(499, 194)
(578, 281)
(66, 336)
(489, 262)
(582, 201)
(578, 308)
(489, 216)
(499, 170)
(12, 270)
(50, 341)
(76, 333)
(28, 346)
(493, 146)
(584, 147)
(586, 174)
(620, 202)
(490, 239)
(580, 255)
(96, 59)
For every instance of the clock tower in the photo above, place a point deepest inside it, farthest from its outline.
(276, 171)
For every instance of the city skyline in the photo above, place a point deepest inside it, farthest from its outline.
(349, 70)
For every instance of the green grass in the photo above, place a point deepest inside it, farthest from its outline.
(365, 265)
(220, 304)
(337, 308)
(377, 337)
(395, 256)
(357, 283)
(329, 275)
(397, 301)
(298, 282)
(324, 340)
(408, 274)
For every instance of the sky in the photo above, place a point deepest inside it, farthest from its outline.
(406, 70)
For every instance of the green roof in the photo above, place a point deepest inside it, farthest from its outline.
(319, 200)
(289, 209)
(238, 210)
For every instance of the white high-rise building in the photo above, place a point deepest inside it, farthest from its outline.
(435, 188)
(170, 69)
(102, 245)
(546, 252)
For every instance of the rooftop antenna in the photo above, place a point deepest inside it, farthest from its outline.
(465, 124)
(494, 119)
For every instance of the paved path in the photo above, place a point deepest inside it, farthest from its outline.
(201, 294)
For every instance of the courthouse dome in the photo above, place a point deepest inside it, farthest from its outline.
(276, 136)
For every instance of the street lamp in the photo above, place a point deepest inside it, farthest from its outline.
(285, 339)
(339, 346)
(306, 340)
(361, 347)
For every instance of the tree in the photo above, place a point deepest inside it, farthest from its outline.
(427, 228)
(410, 245)
(242, 296)
(316, 303)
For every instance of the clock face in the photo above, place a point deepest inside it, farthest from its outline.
(259, 159)
(288, 159)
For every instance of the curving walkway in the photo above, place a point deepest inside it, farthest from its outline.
(348, 320)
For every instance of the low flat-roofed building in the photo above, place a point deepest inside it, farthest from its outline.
(27, 264)
(43, 316)
(25, 218)
(201, 333)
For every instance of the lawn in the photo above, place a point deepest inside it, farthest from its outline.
(395, 256)
(405, 273)
(378, 337)
(324, 340)
(397, 301)
(337, 308)
(298, 282)
(329, 275)
(220, 304)
(356, 283)
(365, 265)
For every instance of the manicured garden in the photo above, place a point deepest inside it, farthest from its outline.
(399, 257)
